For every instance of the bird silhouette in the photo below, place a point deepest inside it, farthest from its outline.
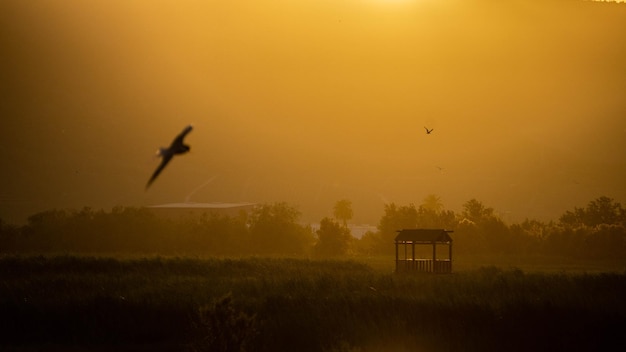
(428, 130)
(177, 147)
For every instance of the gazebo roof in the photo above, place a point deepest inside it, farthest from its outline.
(424, 236)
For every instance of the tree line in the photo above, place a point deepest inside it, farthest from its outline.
(594, 232)
(269, 229)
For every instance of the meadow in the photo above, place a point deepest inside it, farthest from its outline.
(152, 303)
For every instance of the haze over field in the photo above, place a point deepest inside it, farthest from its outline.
(313, 101)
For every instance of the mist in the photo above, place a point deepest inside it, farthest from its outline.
(310, 102)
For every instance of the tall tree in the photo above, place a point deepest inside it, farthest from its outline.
(475, 211)
(603, 210)
(396, 218)
(333, 239)
(433, 203)
(431, 214)
(343, 211)
(274, 229)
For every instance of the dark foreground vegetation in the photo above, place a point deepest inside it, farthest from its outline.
(159, 304)
(138, 282)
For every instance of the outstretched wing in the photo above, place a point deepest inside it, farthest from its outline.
(167, 154)
(166, 159)
(178, 141)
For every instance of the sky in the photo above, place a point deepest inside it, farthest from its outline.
(311, 101)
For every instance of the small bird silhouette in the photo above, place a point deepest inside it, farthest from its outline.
(177, 147)
(428, 130)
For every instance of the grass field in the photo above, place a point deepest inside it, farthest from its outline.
(82, 303)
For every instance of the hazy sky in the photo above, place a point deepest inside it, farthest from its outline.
(313, 101)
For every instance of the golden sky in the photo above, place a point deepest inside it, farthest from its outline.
(313, 101)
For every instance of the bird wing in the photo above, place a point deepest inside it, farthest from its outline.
(178, 141)
(166, 159)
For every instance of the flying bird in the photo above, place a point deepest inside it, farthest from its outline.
(428, 130)
(177, 147)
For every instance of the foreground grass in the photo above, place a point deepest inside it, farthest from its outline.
(256, 304)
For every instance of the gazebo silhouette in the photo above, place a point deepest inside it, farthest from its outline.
(406, 258)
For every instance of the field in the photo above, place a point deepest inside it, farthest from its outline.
(78, 303)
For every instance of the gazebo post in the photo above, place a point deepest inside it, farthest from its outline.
(396, 256)
(450, 254)
(404, 262)
(434, 256)
(413, 255)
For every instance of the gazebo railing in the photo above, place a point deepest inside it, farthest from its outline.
(423, 266)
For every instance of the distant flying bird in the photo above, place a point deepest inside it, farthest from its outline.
(177, 147)
(428, 130)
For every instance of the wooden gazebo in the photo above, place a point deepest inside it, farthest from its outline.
(410, 260)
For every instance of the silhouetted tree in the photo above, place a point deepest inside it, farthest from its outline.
(370, 243)
(603, 210)
(333, 239)
(528, 236)
(432, 203)
(535, 228)
(573, 218)
(9, 235)
(395, 218)
(482, 230)
(606, 242)
(45, 230)
(274, 230)
(468, 239)
(445, 219)
(217, 234)
(594, 232)
(475, 211)
(343, 211)
(497, 235)
(431, 214)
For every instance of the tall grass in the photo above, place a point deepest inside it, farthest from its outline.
(279, 304)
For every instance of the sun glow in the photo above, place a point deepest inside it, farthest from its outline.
(313, 101)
